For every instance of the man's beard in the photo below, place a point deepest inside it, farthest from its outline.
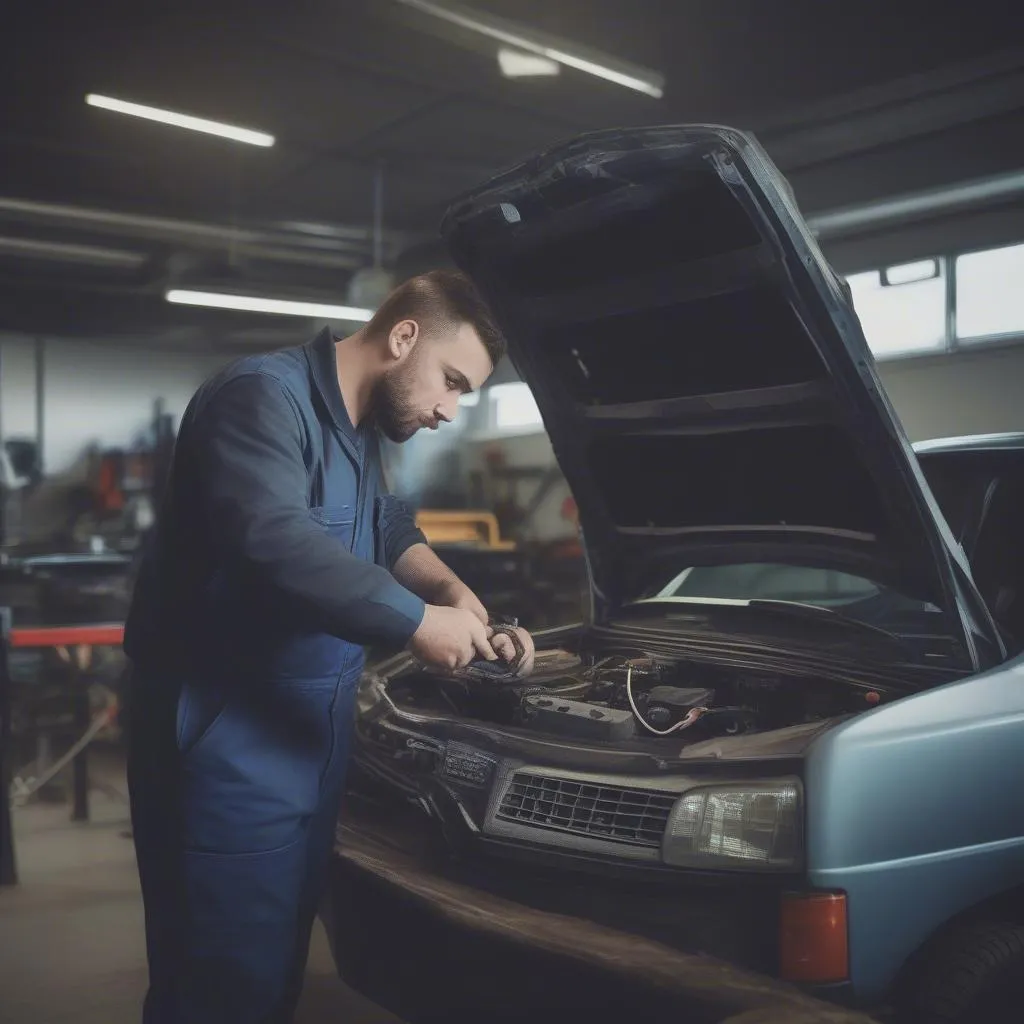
(391, 408)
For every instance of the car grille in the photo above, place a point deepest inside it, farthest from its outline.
(637, 817)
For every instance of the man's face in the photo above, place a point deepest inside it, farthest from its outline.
(423, 387)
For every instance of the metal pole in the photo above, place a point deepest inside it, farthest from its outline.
(8, 867)
(40, 354)
(887, 212)
(949, 263)
(80, 765)
(1, 392)
(3, 492)
(378, 215)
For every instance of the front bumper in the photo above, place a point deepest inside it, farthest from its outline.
(426, 934)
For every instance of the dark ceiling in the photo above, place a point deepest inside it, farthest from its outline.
(856, 102)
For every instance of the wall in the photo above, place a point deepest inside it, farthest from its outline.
(521, 451)
(102, 394)
(92, 393)
(977, 392)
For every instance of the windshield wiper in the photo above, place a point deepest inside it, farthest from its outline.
(813, 611)
(794, 609)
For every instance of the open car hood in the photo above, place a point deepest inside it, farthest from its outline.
(700, 370)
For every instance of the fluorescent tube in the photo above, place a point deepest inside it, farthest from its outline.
(257, 304)
(543, 45)
(196, 124)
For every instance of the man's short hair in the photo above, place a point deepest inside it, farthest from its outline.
(438, 300)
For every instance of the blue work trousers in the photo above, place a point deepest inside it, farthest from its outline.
(235, 790)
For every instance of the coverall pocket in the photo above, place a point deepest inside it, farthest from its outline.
(253, 782)
(199, 708)
(264, 873)
(243, 931)
(339, 521)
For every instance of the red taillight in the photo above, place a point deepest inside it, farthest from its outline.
(812, 937)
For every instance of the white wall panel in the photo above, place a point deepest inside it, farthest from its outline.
(93, 393)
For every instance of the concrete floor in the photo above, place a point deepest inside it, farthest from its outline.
(71, 934)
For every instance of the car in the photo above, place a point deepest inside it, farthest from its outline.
(779, 759)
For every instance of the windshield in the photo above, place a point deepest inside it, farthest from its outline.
(843, 592)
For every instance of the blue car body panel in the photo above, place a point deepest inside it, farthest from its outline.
(914, 811)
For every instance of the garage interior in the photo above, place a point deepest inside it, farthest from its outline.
(138, 257)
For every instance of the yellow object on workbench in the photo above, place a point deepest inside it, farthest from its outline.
(479, 529)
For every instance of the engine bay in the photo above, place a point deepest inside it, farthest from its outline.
(633, 695)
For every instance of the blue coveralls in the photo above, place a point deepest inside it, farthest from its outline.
(268, 570)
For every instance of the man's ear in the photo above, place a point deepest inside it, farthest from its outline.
(402, 339)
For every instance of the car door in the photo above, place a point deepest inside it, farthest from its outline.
(981, 493)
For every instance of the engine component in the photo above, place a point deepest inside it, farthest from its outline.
(694, 712)
(575, 718)
(659, 716)
(612, 696)
(679, 698)
(661, 707)
(729, 720)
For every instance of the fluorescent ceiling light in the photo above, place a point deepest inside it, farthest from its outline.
(196, 124)
(652, 88)
(542, 45)
(517, 64)
(256, 304)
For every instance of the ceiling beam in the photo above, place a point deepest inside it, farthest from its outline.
(918, 205)
(916, 106)
(328, 246)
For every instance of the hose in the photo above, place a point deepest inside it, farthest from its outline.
(24, 787)
(691, 716)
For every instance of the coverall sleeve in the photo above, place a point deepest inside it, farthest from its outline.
(399, 531)
(253, 484)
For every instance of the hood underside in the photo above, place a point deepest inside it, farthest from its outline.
(698, 365)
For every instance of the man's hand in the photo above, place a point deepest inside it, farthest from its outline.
(450, 638)
(456, 594)
(505, 649)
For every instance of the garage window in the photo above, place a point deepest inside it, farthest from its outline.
(514, 407)
(902, 308)
(990, 293)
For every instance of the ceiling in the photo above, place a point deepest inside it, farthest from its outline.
(856, 102)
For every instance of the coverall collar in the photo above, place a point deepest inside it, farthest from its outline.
(322, 360)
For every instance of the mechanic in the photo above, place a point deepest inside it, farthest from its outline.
(276, 556)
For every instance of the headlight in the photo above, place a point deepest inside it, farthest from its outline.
(746, 826)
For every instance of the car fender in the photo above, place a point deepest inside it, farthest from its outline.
(914, 810)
